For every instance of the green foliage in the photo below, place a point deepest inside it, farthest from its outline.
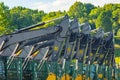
(116, 18)
(77, 10)
(110, 7)
(104, 21)
(89, 7)
(107, 17)
(4, 18)
(2, 30)
(118, 32)
(81, 11)
(52, 15)
(22, 17)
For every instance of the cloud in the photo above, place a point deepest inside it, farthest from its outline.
(54, 6)
(100, 2)
(65, 4)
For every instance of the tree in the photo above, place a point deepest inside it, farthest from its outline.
(22, 17)
(110, 7)
(89, 7)
(52, 15)
(93, 16)
(81, 11)
(4, 18)
(116, 20)
(77, 10)
(95, 12)
(104, 21)
(37, 16)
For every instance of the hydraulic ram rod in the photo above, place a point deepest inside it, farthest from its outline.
(36, 25)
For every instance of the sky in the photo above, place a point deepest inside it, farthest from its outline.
(53, 5)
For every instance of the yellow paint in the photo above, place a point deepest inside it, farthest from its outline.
(18, 53)
(101, 56)
(55, 48)
(66, 77)
(68, 49)
(84, 77)
(79, 77)
(91, 54)
(89, 78)
(106, 61)
(117, 60)
(35, 53)
(105, 79)
(100, 76)
(117, 46)
(95, 62)
(51, 76)
(81, 51)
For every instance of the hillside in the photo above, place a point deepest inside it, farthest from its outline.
(106, 17)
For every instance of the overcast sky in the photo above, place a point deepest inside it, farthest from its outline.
(53, 5)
